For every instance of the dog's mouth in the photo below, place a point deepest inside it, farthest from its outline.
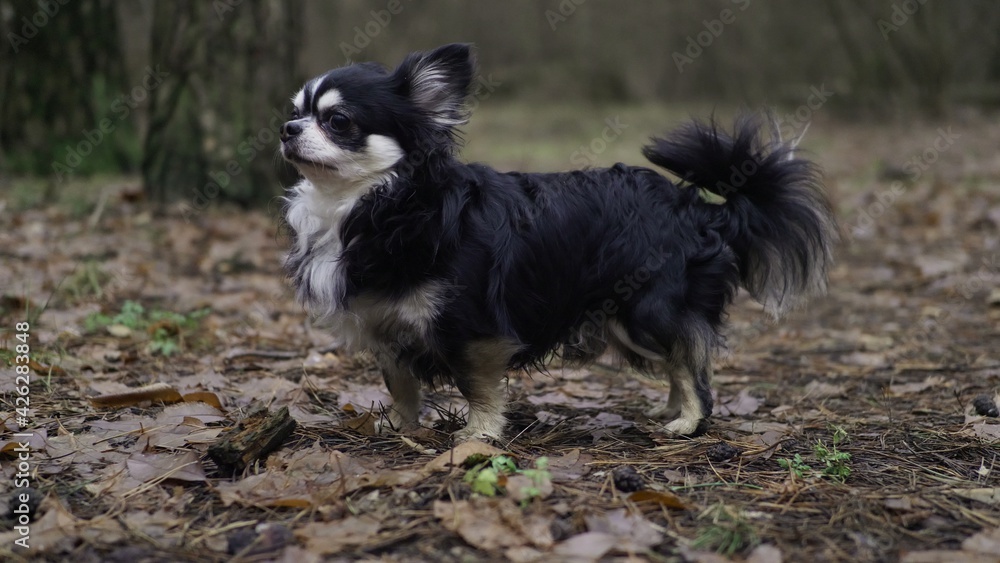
(298, 160)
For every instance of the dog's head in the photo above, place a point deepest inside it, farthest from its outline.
(353, 127)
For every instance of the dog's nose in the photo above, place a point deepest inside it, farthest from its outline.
(290, 129)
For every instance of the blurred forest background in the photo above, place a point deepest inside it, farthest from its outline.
(188, 95)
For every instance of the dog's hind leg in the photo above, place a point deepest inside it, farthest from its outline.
(685, 361)
(691, 395)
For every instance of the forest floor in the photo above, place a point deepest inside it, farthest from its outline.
(846, 431)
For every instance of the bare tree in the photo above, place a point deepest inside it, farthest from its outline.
(213, 123)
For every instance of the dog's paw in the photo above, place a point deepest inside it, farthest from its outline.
(466, 434)
(393, 424)
(663, 411)
(687, 426)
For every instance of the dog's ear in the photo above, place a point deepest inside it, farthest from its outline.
(439, 82)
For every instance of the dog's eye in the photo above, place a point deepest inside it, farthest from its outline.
(339, 122)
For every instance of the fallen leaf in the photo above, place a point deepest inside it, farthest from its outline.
(147, 467)
(328, 538)
(270, 488)
(986, 541)
(665, 498)
(982, 547)
(182, 435)
(161, 392)
(917, 386)
(58, 529)
(570, 466)
(494, 523)
(457, 455)
(740, 405)
(765, 553)
(986, 431)
(820, 390)
(181, 412)
(633, 531)
(985, 495)
(206, 397)
(43, 369)
(755, 426)
(588, 546)
(363, 424)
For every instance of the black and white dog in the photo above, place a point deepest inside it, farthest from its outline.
(454, 272)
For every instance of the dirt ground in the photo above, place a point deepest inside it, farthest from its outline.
(846, 431)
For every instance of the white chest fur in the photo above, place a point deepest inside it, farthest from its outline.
(314, 261)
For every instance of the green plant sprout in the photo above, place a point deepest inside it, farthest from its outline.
(165, 328)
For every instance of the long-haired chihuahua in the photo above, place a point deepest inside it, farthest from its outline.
(454, 272)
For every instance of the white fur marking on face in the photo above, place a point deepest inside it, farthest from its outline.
(299, 99)
(382, 152)
(329, 99)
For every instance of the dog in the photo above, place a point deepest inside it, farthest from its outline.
(456, 273)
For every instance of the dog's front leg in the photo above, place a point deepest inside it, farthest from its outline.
(407, 397)
(483, 385)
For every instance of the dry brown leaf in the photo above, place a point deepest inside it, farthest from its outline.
(633, 531)
(570, 466)
(57, 529)
(589, 546)
(756, 426)
(182, 435)
(986, 541)
(494, 523)
(43, 369)
(385, 478)
(916, 386)
(765, 553)
(364, 424)
(740, 405)
(147, 467)
(457, 455)
(206, 397)
(161, 392)
(329, 538)
(184, 413)
(271, 488)
(665, 498)
(986, 431)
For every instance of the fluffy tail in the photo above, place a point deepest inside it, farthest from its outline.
(780, 224)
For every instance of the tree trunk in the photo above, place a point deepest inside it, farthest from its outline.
(213, 123)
